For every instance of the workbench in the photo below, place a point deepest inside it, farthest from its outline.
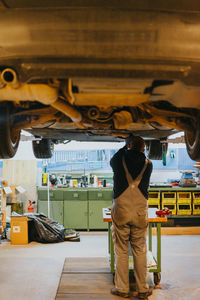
(153, 219)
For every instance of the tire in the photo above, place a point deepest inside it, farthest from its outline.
(154, 149)
(192, 140)
(43, 148)
(9, 137)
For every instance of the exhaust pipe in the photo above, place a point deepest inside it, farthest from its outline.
(9, 77)
(68, 110)
(2, 84)
(10, 89)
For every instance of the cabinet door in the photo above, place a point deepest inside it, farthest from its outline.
(76, 214)
(42, 194)
(56, 210)
(42, 207)
(96, 214)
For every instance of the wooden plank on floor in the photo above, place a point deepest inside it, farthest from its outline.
(86, 286)
(85, 278)
(82, 283)
(86, 265)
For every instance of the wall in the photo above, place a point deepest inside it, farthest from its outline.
(90, 157)
(23, 173)
(97, 161)
(164, 175)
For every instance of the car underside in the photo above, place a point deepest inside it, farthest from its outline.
(98, 73)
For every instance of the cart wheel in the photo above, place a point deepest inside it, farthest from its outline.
(156, 278)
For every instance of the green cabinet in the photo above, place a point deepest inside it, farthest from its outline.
(76, 214)
(42, 194)
(98, 199)
(96, 215)
(54, 194)
(70, 194)
(56, 210)
(100, 194)
(76, 208)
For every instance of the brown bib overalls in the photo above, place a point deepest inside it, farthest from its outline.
(129, 223)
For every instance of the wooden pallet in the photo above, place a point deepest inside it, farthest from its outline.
(86, 278)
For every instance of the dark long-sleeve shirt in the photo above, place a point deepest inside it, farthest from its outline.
(135, 161)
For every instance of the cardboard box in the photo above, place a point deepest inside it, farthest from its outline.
(19, 230)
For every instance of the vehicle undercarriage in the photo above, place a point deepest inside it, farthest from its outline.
(99, 73)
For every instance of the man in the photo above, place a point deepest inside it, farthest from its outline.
(132, 173)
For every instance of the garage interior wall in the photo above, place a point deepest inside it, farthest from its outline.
(23, 173)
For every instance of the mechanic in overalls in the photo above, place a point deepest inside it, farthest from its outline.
(132, 173)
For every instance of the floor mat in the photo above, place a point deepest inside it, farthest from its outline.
(86, 278)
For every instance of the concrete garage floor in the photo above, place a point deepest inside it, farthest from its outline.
(32, 272)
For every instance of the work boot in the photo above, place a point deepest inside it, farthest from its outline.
(114, 291)
(145, 295)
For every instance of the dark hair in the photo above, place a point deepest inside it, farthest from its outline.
(138, 142)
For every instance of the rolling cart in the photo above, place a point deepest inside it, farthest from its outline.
(153, 219)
